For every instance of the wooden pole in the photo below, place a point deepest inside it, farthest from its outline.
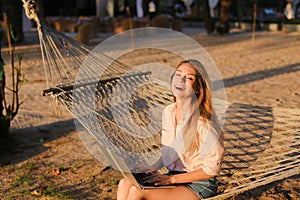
(279, 28)
(254, 20)
(130, 26)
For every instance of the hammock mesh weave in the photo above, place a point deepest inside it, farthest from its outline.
(261, 143)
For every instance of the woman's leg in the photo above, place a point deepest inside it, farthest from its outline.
(128, 191)
(178, 193)
(135, 193)
(123, 189)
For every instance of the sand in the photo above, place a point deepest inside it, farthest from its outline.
(262, 72)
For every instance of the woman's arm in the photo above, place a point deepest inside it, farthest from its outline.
(197, 175)
(193, 176)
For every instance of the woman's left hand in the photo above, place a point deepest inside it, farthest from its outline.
(160, 179)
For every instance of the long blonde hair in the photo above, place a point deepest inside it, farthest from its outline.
(201, 101)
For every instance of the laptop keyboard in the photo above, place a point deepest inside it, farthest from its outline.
(141, 178)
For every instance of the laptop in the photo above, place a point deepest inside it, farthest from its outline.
(139, 179)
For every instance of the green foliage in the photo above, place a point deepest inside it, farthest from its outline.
(20, 56)
(13, 35)
(113, 182)
(26, 182)
(21, 76)
(9, 109)
(1, 70)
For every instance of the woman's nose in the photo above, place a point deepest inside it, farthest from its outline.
(183, 78)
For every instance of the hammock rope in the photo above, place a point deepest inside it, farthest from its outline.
(261, 143)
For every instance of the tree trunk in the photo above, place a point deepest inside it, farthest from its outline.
(4, 121)
(224, 24)
(4, 126)
(209, 23)
(2, 80)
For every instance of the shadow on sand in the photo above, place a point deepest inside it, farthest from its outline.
(22, 144)
(256, 76)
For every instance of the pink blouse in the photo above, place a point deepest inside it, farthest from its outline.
(206, 153)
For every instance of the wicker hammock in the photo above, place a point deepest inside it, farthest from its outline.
(262, 143)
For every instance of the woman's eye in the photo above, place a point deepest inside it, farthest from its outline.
(190, 78)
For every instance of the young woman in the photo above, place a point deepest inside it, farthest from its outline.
(192, 145)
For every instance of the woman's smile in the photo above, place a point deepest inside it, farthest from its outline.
(178, 87)
(183, 80)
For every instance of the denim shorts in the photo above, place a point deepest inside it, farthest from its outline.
(203, 189)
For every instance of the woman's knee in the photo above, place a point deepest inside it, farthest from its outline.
(124, 182)
(123, 189)
(135, 193)
(123, 186)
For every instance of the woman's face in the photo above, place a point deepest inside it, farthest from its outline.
(182, 82)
